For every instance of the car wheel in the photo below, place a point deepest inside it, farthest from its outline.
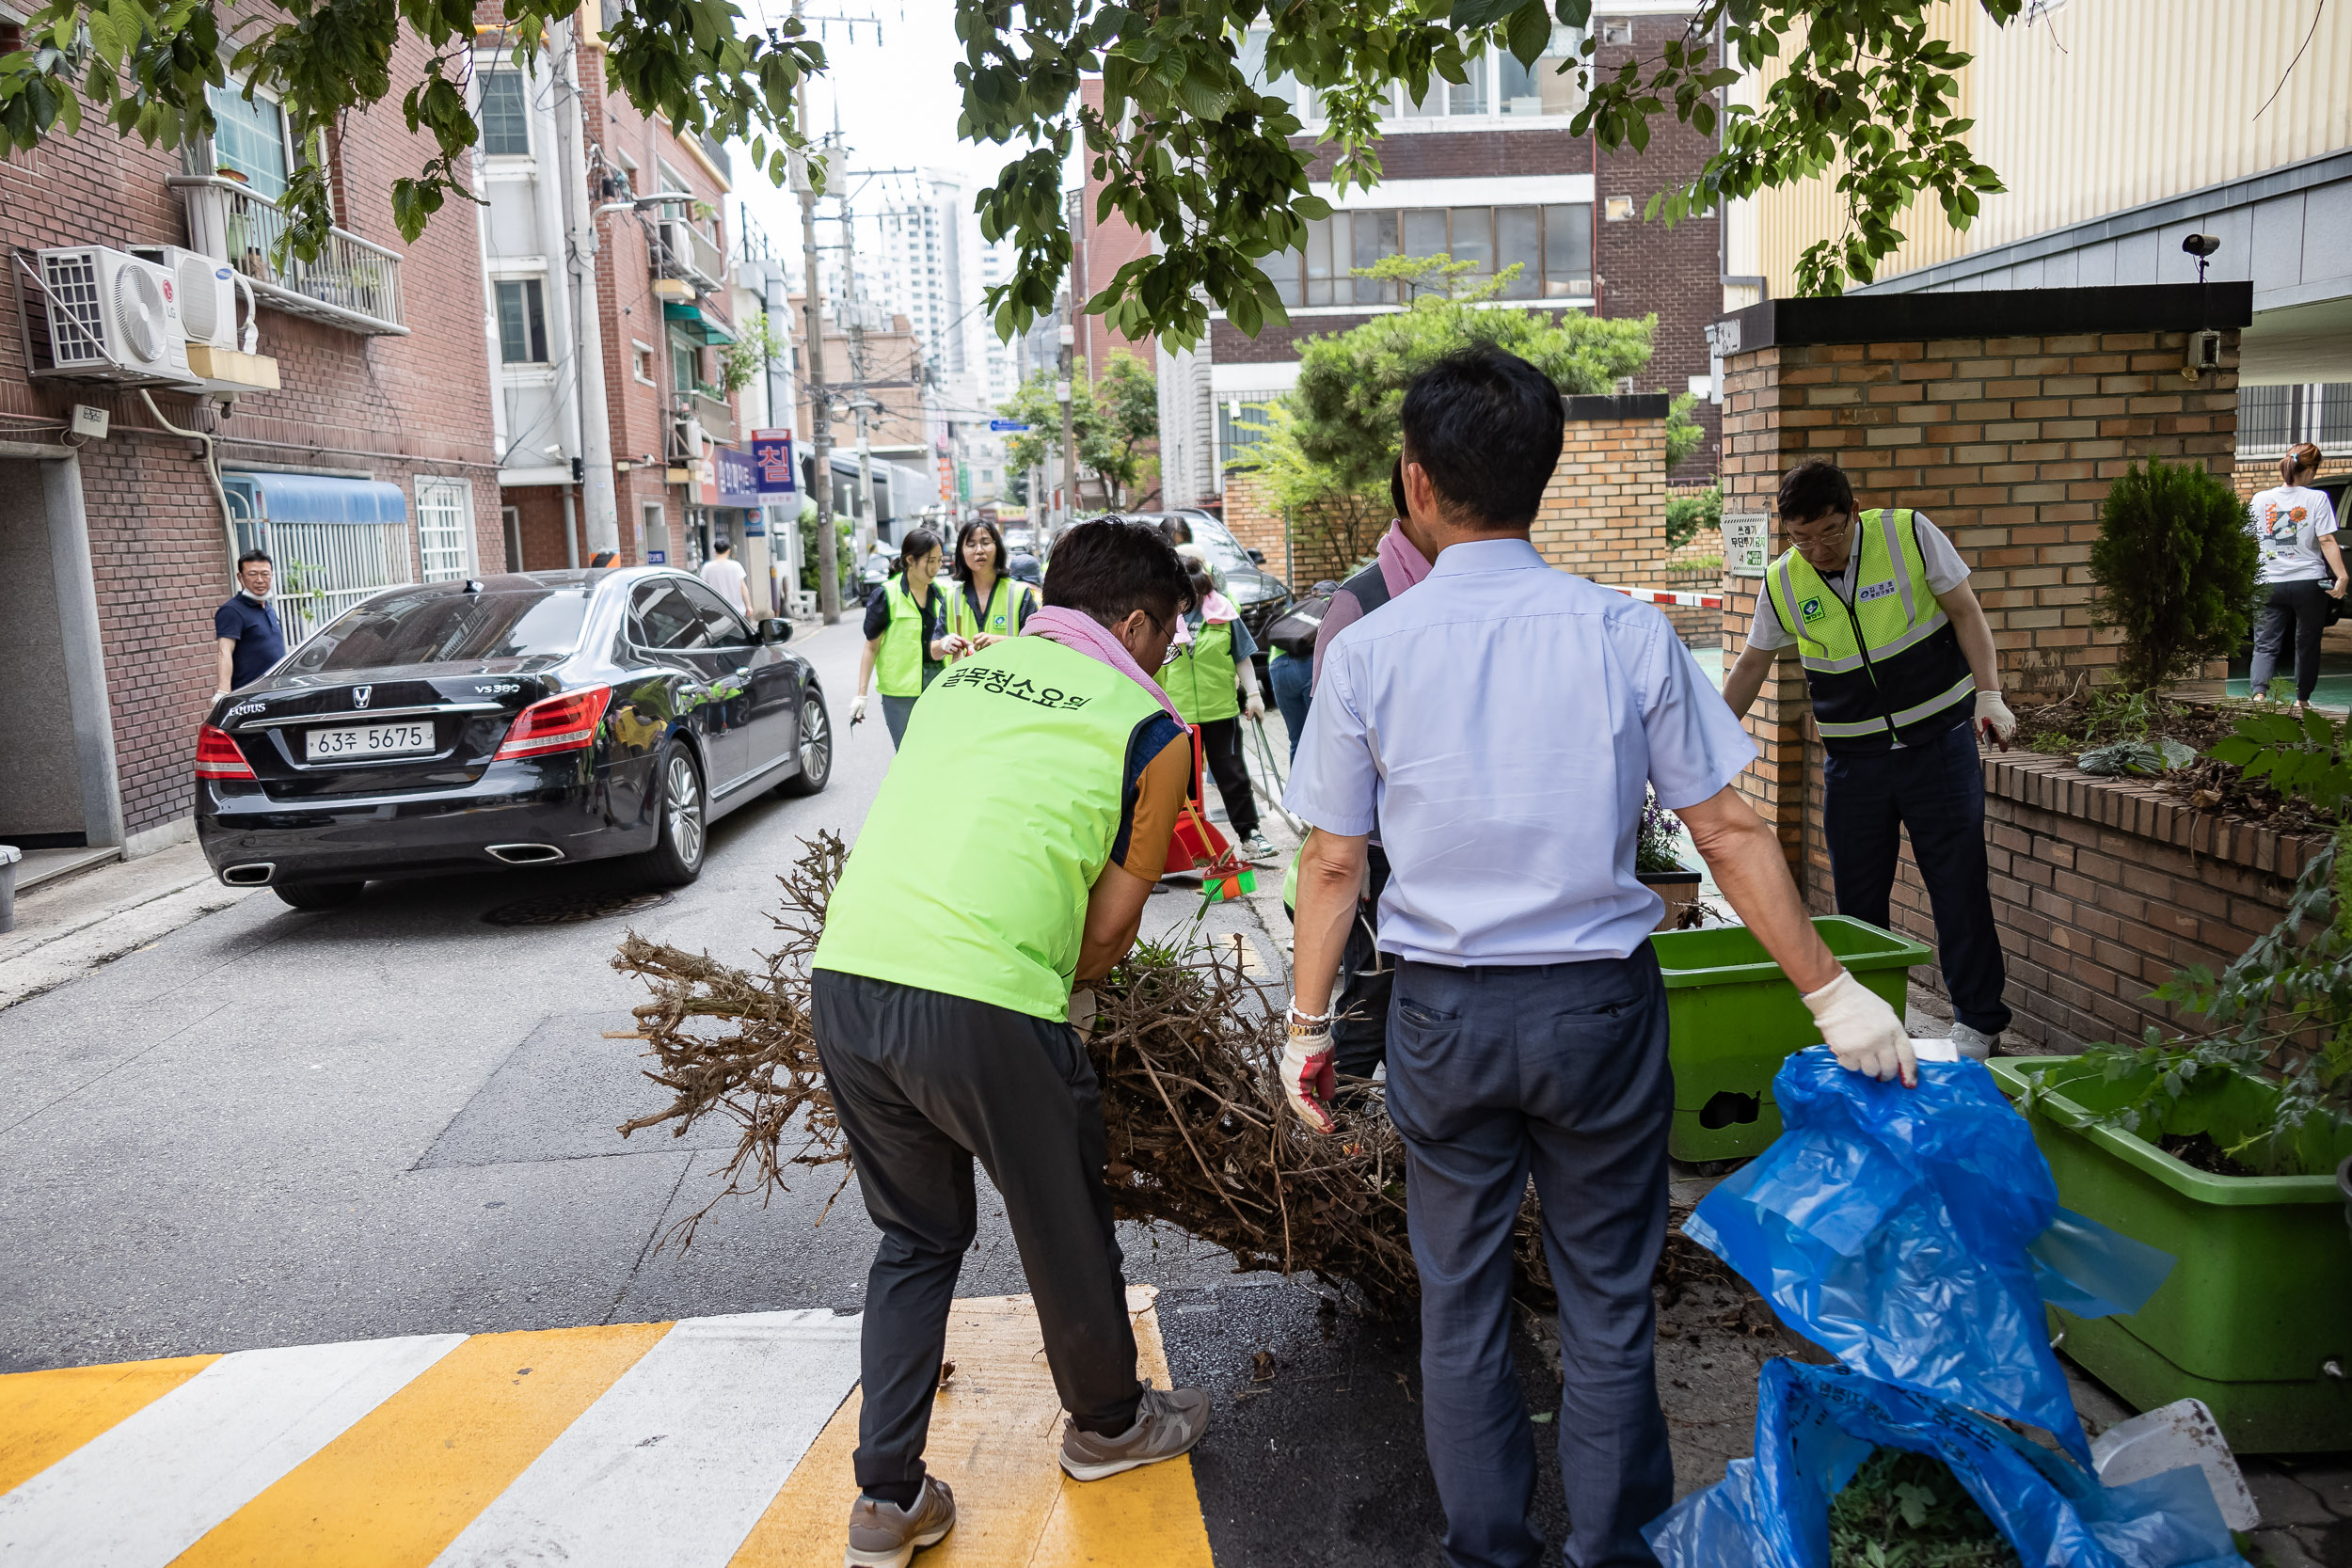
(318, 895)
(682, 827)
(815, 749)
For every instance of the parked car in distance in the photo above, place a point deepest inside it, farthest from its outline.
(523, 720)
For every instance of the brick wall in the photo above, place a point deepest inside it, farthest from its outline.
(1105, 246)
(388, 408)
(2102, 889)
(2004, 416)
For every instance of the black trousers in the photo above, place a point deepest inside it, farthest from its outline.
(924, 1083)
(1935, 793)
(2300, 608)
(1220, 746)
(1557, 1071)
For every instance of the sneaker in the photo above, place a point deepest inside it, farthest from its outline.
(1167, 1423)
(1255, 847)
(1975, 1044)
(883, 1535)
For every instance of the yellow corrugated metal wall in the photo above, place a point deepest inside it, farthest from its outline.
(2098, 105)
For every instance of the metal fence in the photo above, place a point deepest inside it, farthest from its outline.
(354, 283)
(2272, 418)
(323, 569)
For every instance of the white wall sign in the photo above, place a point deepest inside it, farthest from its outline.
(1747, 537)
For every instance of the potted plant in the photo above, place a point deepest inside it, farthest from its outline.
(2225, 1148)
(1658, 863)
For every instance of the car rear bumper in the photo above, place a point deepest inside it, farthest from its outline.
(251, 840)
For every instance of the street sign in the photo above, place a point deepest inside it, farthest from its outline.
(1007, 427)
(771, 455)
(1746, 540)
(736, 476)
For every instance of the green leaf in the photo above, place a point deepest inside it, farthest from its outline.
(1468, 15)
(1573, 13)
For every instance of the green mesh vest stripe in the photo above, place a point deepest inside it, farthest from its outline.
(993, 907)
(1890, 663)
(1199, 679)
(1005, 613)
(899, 663)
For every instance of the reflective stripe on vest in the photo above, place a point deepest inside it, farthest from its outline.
(1007, 609)
(1199, 679)
(1888, 662)
(899, 663)
(996, 915)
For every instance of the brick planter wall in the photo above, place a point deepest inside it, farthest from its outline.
(2101, 888)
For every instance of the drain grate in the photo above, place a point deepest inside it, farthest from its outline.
(566, 909)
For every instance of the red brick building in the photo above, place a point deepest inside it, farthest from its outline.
(353, 443)
(1484, 171)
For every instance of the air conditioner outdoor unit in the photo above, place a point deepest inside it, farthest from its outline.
(209, 289)
(111, 317)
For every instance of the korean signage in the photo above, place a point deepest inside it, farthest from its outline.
(737, 477)
(771, 455)
(1747, 542)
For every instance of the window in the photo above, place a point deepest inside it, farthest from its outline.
(656, 530)
(445, 528)
(1240, 425)
(643, 353)
(505, 115)
(725, 628)
(523, 322)
(1553, 85)
(1552, 246)
(439, 628)
(2272, 418)
(671, 179)
(667, 619)
(686, 363)
(249, 139)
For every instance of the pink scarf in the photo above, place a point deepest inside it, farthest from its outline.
(1401, 565)
(1082, 633)
(1218, 609)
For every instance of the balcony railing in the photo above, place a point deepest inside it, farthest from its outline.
(711, 412)
(354, 284)
(682, 250)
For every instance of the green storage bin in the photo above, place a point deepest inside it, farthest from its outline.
(1733, 1017)
(2259, 1308)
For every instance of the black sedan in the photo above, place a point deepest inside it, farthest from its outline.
(508, 721)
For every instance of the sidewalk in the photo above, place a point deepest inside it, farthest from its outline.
(68, 928)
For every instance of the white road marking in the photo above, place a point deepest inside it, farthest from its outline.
(676, 1462)
(186, 1462)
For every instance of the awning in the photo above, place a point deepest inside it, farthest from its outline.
(714, 330)
(315, 498)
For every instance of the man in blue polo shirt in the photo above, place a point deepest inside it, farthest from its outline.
(250, 639)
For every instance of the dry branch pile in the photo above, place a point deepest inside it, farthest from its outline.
(1185, 1044)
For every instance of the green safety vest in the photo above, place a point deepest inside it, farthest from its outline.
(996, 914)
(1009, 606)
(1887, 667)
(1199, 679)
(899, 663)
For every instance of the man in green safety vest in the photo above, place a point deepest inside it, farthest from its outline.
(1904, 677)
(942, 1000)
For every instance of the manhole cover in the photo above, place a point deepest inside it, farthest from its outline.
(566, 909)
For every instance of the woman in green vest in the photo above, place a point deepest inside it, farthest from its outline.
(990, 604)
(1200, 678)
(908, 638)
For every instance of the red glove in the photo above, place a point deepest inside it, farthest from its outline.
(1309, 1078)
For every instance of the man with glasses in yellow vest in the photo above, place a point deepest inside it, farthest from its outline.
(942, 991)
(1904, 677)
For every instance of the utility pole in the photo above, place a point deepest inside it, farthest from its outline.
(819, 422)
(596, 415)
(1062, 392)
(859, 402)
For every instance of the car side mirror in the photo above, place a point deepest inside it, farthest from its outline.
(773, 631)
(1257, 558)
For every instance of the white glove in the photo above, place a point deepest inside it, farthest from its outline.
(1862, 1031)
(1082, 1010)
(1308, 1077)
(1994, 719)
(857, 709)
(1255, 706)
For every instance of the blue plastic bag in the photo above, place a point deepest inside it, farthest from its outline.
(1895, 1228)
(1815, 1425)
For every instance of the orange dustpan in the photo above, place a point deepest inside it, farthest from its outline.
(1196, 846)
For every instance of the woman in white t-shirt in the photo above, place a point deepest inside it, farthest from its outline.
(2302, 568)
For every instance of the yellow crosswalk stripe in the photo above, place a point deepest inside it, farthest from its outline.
(46, 1416)
(399, 1486)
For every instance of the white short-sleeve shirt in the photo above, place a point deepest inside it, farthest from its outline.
(2288, 523)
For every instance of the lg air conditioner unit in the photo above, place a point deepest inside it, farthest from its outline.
(209, 294)
(110, 317)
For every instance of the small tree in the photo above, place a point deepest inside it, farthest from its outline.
(1688, 514)
(1111, 418)
(2174, 564)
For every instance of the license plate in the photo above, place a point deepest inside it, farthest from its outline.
(351, 742)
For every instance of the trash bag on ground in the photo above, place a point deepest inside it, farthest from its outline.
(1897, 1228)
(1815, 1426)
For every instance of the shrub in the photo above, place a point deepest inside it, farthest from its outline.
(2174, 564)
(1689, 513)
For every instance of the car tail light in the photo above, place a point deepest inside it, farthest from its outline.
(217, 757)
(564, 723)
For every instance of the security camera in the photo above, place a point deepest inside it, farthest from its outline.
(2200, 244)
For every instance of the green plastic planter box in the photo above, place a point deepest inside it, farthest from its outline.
(2259, 1308)
(1734, 1018)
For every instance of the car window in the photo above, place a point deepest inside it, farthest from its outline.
(1223, 550)
(667, 619)
(435, 625)
(722, 625)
